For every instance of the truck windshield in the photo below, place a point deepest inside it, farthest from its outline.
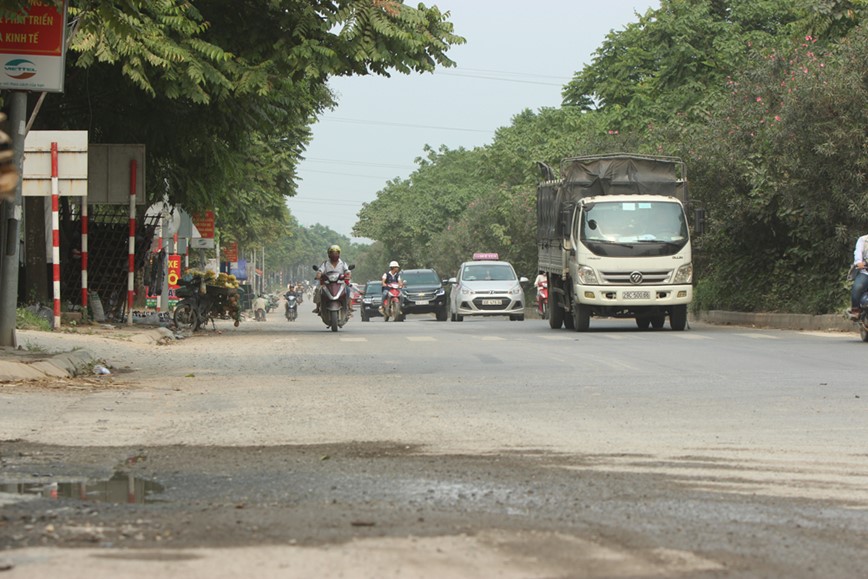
(646, 228)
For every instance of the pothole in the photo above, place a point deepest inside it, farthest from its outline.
(120, 488)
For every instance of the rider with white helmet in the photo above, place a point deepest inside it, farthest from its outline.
(391, 276)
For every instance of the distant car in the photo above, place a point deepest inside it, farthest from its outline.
(424, 294)
(486, 288)
(372, 299)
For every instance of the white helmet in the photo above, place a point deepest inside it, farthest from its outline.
(393, 264)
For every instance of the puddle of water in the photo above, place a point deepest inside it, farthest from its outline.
(120, 488)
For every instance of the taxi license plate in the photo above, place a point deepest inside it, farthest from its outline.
(491, 302)
(421, 302)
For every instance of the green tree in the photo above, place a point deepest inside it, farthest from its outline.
(673, 58)
(223, 92)
(782, 168)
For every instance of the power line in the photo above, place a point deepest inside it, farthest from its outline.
(348, 174)
(360, 163)
(325, 201)
(507, 72)
(516, 80)
(407, 125)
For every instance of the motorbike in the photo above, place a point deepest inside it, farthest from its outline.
(392, 303)
(542, 300)
(273, 300)
(201, 302)
(334, 301)
(290, 309)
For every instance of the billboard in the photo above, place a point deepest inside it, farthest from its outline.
(33, 48)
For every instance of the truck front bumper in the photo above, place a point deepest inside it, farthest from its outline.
(633, 296)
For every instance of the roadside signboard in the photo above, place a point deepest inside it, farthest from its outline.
(230, 251)
(33, 48)
(204, 222)
(173, 273)
(72, 164)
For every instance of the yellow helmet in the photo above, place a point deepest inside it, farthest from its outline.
(335, 249)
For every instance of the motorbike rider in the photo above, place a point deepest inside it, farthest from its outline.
(538, 283)
(860, 276)
(333, 264)
(391, 276)
(259, 306)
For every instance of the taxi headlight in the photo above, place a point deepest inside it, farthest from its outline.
(587, 275)
(684, 274)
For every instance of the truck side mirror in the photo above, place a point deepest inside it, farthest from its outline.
(699, 220)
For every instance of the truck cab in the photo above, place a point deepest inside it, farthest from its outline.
(614, 242)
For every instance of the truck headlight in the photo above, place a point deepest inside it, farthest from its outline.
(684, 274)
(587, 275)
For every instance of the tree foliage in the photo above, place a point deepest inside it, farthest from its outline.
(765, 101)
(223, 92)
(782, 168)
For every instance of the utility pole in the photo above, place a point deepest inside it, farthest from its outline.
(10, 214)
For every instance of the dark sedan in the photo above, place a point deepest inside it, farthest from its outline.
(372, 299)
(424, 293)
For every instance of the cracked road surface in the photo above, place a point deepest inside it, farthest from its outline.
(426, 449)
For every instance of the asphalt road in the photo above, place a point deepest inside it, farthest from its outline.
(437, 449)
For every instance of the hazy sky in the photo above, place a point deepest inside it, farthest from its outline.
(518, 56)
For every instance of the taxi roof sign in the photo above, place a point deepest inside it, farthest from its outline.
(479, 256)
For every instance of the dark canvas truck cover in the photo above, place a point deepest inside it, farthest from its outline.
(617, 174)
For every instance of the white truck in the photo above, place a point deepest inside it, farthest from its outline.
(614, 242)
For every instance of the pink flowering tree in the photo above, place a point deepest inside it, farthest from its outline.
(781, 167)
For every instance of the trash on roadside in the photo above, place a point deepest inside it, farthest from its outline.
(101, 370)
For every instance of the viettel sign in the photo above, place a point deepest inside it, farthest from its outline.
(33, 47)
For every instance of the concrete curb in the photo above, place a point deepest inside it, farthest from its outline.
(824, 323)
(23, 365)
(806, 322)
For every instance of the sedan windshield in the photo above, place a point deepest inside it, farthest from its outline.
(490, 272)
(421, 278)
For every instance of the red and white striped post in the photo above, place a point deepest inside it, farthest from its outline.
(131, 274)
(55, 234)
(84, 301)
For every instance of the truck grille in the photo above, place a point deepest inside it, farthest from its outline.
(628, 277)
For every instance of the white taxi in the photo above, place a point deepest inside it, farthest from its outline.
(486, 288)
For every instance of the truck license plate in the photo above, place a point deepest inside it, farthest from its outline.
(421, 302)
(491, 302)
(637, 295)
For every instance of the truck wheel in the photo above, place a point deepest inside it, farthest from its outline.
(441, 314)
(657, 322)
(581, 317)
(643, 323)
(556, 316)
(678, 318)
